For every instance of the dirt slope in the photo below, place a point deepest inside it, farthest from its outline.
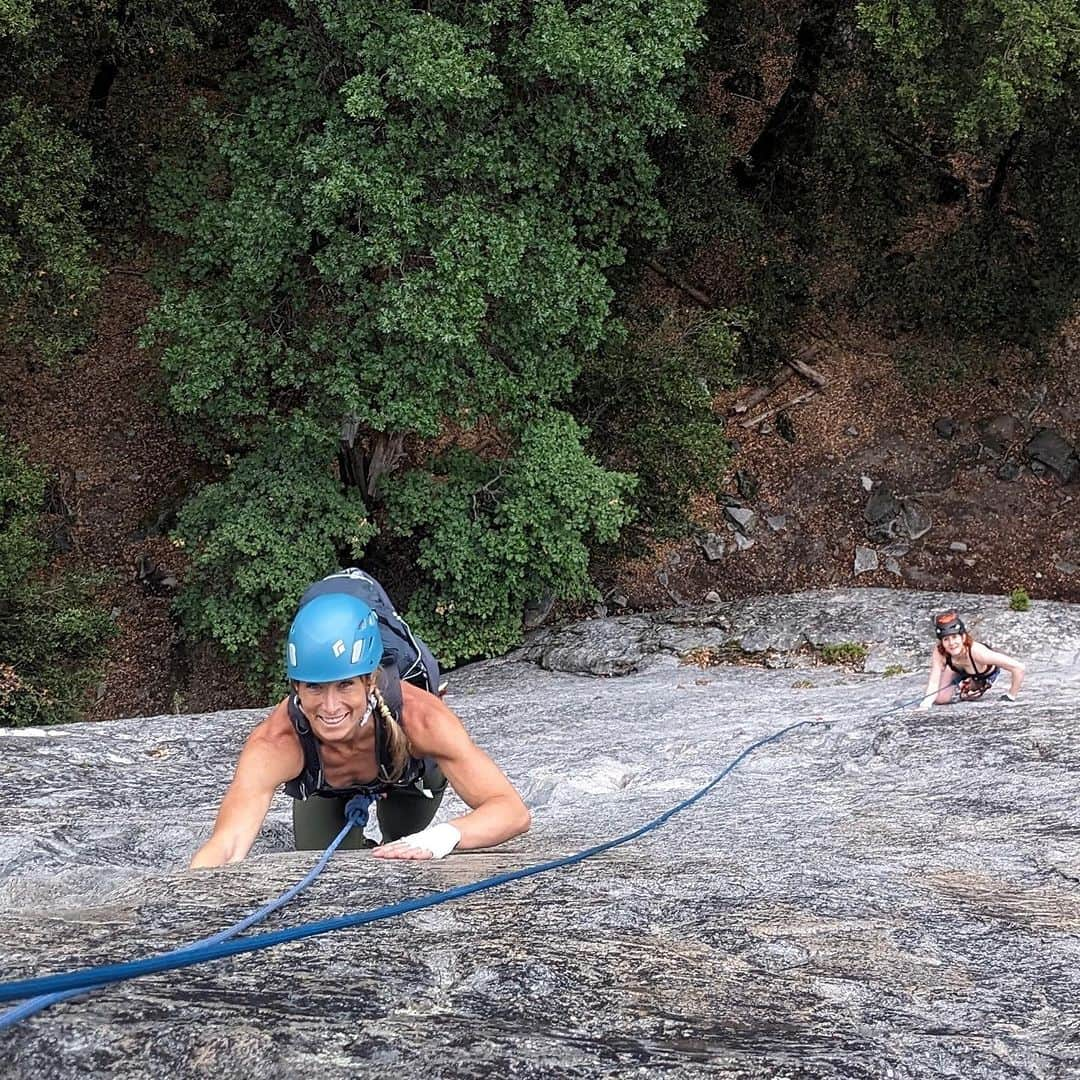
(100, 426)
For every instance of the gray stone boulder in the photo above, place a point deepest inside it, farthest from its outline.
(866, 559)
(1000, 433)
(1050, 450)
(712, 544)
(881, 507)
(741, 518)
(889, 518)
(916, 521)
(883, 893)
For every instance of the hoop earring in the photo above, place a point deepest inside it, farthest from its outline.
(369, 711)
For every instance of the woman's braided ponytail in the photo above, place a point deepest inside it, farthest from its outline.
(397, 742)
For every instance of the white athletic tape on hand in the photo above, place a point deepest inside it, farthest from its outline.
(440, 840)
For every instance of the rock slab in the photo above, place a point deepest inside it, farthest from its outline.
(889, 894)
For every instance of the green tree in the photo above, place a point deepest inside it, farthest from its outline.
(401, 234)
(980, 70)
(74, 156)
(993, 85)
(279, 512)
(648, 401)
(494, 534)
(47, 276)
(52, 632)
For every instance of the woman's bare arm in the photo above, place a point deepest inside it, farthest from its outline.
(933, 684)
(270, 756)
(497, 812)
(986, 657)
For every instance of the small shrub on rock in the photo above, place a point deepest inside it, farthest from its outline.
(844, 652)
(1019, 600)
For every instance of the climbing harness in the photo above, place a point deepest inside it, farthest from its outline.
(974, 686)
(47, 990)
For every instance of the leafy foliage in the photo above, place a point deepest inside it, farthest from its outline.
(406, 224)
(765, 287)
(69, 167)
(1019, 600)
(258, 537)
(51, 633)
(649, 403)
(951, 218)
(47, 278)
(496, 534)
(980, 70)
(423, 225)
(22, 491)
(844, 652)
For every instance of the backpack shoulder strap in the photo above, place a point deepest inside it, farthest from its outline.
(310, 778)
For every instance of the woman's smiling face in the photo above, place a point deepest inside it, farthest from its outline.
(335, 709)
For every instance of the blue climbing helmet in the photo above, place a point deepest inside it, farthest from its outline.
(334, 636)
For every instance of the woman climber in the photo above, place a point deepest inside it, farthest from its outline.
(361, 722)
(962, 669)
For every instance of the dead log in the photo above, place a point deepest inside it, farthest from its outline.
(797, 400)
(703, 299)
(812, 375)
(762, 392)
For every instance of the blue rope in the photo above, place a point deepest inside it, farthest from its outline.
(916, 701)
(98, 976)
(356, 810)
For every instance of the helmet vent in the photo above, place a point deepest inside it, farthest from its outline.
(357, 649)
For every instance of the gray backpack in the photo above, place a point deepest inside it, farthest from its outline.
(415, 662)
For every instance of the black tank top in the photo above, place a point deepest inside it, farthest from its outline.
(980, 676)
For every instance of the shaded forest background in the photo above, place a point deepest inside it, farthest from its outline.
(463, 291)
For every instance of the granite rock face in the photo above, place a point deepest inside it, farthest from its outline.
(888, 894)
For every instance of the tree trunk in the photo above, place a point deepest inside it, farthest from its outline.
(787, 125)
(108, 64)
(351, 466)
(102, 84)
(1001, 173)
(386, 455)
(363, 468)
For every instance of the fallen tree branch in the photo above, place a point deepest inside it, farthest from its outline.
(703, 299)
(797, 400)
(809, 373)
(762, 392)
